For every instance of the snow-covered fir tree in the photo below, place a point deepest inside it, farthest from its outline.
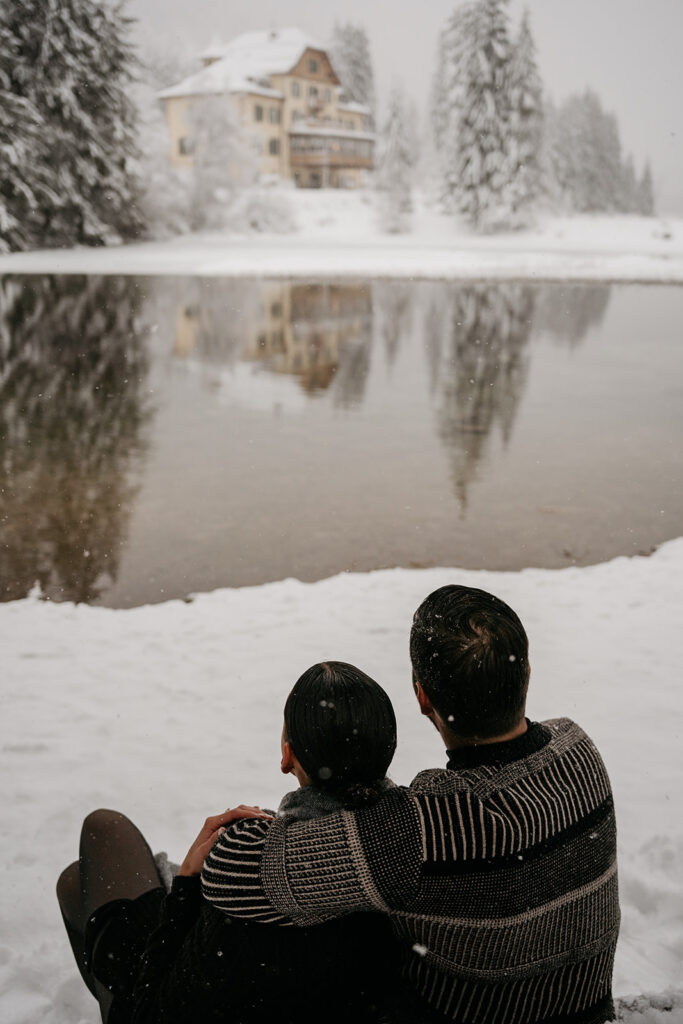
(447, 100)
(24, 186)
(221, 164)
(526, 125)
(629, 186)
(352, 60)
(395, 164)
(439, 106)
(67, 66)
(479, 162)
(165, 189)
(646, 195)
(586, 159)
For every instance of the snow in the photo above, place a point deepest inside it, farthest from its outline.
(322, 129)
(173, 711)
(246, 62)
(339, 235)
(352, 105)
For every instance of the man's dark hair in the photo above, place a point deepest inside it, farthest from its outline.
(470, 654)
(342, 728)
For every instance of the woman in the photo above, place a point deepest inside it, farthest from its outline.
(151, 957)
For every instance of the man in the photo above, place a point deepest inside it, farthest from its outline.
(498, 872)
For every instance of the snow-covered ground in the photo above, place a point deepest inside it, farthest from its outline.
(338, 234)
(173, 711)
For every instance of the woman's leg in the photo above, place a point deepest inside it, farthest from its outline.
(71, 906)
(115, 864)
(115, 861)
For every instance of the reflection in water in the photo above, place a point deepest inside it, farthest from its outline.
(211, 316)
(476, 337)
(73, 371)
(569, 312)
(72, 374)
(394, 304)
(319, 333)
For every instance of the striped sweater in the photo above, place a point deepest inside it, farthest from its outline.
(498, 874)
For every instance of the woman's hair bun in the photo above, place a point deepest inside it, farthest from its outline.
(342, 728)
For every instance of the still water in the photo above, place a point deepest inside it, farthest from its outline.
(160, 437)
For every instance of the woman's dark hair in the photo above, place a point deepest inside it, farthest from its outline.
(470, 654)
(341, 726)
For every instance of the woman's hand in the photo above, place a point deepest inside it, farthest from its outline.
(212, 828)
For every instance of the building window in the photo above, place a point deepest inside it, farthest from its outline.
(296, 89)
(313, 65)
(274, 115)
(258, 112)
(276, 309)
(274, 147)
(313, 91)
(185, 146)
(327, 95)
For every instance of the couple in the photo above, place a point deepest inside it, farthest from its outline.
(485, 892)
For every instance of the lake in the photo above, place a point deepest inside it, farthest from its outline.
(164, 436)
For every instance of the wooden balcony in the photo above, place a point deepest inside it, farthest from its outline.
(328, 149)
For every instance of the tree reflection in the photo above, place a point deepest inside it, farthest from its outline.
(393, 302)
(72, 380)
(476, 338)
(569, 312)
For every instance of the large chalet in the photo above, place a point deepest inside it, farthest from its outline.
(290, 103)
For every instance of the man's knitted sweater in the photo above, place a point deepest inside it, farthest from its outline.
(498, 873)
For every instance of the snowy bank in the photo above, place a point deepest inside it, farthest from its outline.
(338, 236)
(172, 711)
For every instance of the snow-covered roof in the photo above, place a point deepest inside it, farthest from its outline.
(351, 105)
(245, 63)
(345, 133)
(218, 78)
(271, 52)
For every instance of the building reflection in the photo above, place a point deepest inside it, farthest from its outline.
(212, 316)
(476, 339)
(72, 412)
(319, 333)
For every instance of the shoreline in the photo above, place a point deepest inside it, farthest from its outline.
(184, 258)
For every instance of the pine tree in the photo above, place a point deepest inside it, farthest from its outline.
(448, 100)
(479, 167)
(630, 198)
(352, 60)
(221, 163)
(24, 183)
(526, 135)
(586, 157)
(438, 98)
(646, 196)
(69, 71)
(395, 165)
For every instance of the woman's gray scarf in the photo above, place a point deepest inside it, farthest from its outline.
(312, 802)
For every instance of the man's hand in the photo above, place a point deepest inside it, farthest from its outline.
(213, 827)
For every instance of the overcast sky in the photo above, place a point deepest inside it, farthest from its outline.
(630, 51)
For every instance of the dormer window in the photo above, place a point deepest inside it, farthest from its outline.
(313, 65)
